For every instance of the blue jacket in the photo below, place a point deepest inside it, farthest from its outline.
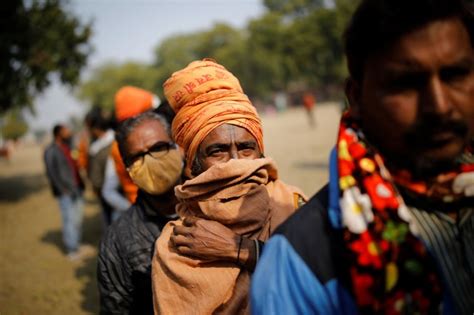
(299, 271)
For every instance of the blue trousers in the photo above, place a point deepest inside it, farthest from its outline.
(71, 213)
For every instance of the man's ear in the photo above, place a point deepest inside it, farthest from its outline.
(352, 89)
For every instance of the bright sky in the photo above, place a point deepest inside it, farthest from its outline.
(130, 30)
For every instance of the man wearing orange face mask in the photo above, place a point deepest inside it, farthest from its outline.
(118, 189)
(155, 164)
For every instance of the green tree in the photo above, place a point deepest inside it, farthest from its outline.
(316, 48)
(267, 59)
(219, 37)
(222, 43)
(174, 53)
(105, 81)
(254, 55)
(312, 52)
(296, 43)
(295, 8)
(37, 40)
(13, 126)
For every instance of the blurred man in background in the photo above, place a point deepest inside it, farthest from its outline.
(309, 103)
(393, 232)
(67, 187)
(98, 153)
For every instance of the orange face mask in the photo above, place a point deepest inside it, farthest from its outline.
(157, 174)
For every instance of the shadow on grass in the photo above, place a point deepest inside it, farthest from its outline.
(86, 272)
(91, 231)
(15, 188)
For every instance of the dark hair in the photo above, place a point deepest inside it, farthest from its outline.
(97, 118)
(56, 130)
(376, 24)
(165, 110)
(127, 126)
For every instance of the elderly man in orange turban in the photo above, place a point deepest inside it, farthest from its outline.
(230, 181)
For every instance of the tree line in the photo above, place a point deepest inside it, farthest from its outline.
(294, 45)
(40, 41)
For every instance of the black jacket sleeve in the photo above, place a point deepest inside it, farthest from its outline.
(114, 278)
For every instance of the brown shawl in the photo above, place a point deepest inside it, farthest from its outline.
(247, 197)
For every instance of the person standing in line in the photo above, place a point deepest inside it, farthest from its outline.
(118, 189)
(124, 265)
(98, 152)
(155, 164)
(393, 231)
(229, 183)
(67, 187)
(309, 103)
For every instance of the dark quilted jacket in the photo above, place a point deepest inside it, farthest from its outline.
(124, 263)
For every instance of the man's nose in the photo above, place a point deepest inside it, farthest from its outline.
(436, 100)
(234, 153)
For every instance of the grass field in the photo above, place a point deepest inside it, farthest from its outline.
(35, 275)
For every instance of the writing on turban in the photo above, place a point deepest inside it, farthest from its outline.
(204, 96)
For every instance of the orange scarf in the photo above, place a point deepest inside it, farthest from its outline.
(244, 195)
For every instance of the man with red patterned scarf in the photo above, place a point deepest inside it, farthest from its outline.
(393, 231)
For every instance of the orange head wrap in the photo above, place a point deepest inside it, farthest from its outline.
(205, 95)
(131, 101)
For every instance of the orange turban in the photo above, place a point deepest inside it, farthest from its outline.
(131, 101)
(205, 95)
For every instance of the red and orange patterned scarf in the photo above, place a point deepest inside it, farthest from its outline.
(390, 269)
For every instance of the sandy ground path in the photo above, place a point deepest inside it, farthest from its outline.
(36, 277)
(302, 152)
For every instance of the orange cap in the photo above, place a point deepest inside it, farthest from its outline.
(131, 101)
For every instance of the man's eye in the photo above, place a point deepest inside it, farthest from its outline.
(248, 150)
(215, 152)
(134, 158)
(405, 82)
(455, 73)
(160, 147)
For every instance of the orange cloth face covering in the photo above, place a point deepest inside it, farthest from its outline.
(204, 96)
(247, 197)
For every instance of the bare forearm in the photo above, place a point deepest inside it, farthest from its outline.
(210, 240)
